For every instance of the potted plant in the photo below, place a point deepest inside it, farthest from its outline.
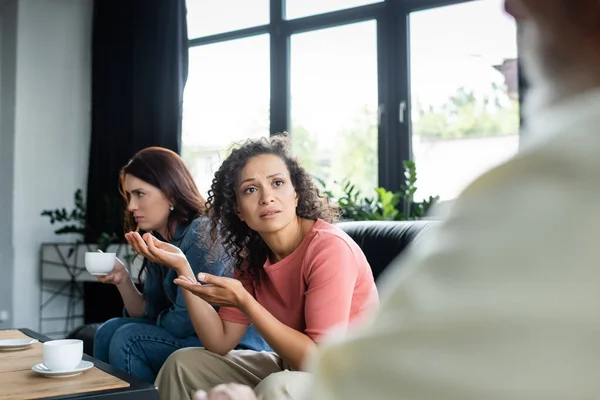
(63, 268)
(384, 205)
(74, 222)
(70, 255)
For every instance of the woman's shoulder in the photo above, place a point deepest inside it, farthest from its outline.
(331, 247)
(196, 231)
(328, 239)
(325, 232)
(201, 223)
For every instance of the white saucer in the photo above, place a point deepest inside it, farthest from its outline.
(16, 344)
(78, 370)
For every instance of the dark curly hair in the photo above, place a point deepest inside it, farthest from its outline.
(245, 245)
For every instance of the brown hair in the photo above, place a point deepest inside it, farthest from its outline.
(165, 170)
(246, 246)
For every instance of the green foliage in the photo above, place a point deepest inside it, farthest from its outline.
(74, 221)
(466, 115)
(354, 152)
(106, 239)
(414, 209)
(357, 156)
(384, 205)
(304, 147)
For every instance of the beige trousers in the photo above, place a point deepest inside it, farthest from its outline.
(191, 369)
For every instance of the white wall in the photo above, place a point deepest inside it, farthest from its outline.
(51, 133)
(8, 33)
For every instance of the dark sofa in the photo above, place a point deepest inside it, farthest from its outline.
(381, 241)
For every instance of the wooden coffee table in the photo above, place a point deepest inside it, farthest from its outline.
(19, 382)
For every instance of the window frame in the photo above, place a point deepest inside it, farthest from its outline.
(393, 70)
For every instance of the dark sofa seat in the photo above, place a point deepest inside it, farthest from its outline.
(381, 241)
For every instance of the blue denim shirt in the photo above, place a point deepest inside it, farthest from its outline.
(164, 301)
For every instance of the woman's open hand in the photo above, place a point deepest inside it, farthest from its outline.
(216, 290)
(157, 251)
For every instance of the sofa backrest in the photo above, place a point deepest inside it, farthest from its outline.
(383, 241)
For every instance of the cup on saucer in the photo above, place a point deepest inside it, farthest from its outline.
(48, 373)
(62, 355)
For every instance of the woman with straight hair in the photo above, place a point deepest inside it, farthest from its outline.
(164, 202)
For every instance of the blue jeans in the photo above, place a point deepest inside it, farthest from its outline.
(137, 346)
(140, 347)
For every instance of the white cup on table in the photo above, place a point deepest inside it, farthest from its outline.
(62, 355)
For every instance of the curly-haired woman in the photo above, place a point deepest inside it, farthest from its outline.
(299, 277)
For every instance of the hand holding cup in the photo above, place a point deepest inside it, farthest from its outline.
(106, 267)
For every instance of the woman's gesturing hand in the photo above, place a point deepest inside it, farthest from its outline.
(157, 251)
(216, 290)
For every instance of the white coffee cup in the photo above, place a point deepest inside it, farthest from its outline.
(98, 263)
(63, 355)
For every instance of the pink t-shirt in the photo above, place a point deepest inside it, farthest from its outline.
(326, 282)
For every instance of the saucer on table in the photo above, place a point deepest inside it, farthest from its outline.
(16, 344)
(78, 370)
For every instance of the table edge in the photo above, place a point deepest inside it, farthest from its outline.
(136, 386)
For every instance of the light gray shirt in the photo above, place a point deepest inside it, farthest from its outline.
(502, 300)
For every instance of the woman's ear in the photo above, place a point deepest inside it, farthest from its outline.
(237, 212)
(296, 198)
(171, 204)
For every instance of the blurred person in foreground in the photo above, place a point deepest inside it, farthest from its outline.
(502, 301)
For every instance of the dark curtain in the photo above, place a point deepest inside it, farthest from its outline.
(139, 70)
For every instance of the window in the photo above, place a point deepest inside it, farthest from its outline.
(304, 8)
(361, 85)
(334, 103)
(465, 108)
(226, 100)
(211, 17)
